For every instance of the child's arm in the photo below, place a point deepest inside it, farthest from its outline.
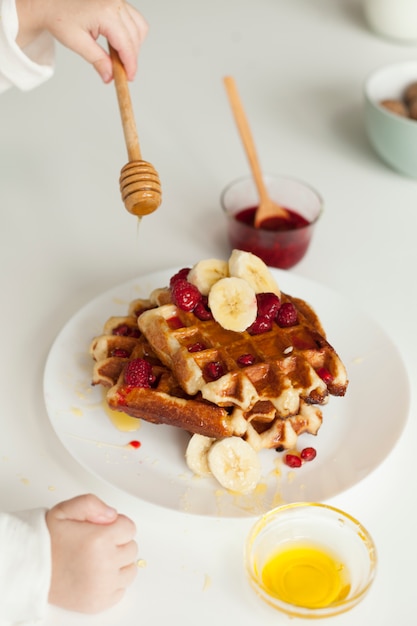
(80, 555)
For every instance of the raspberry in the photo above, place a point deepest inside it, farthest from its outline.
(181, 275)
(287, 315)
(325, 375)
(120, 352)
(260, 325)
(292, 460)
(202, 311)
(196, 347)
(246, 359)
(213, 370)
(268, 304)
(126, 331)
(308, 454)
(138, 373)
(185, 295)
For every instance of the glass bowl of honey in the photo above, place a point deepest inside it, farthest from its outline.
(279, 243)
(310, 560)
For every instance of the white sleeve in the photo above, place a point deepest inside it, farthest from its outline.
(25, 567)
(26, 68)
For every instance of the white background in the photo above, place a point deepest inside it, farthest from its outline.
(65, 238)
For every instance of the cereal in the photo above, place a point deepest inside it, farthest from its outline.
(406, 106)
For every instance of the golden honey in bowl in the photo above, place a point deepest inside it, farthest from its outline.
(310, 560)
(306, 575)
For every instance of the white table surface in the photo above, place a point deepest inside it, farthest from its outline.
(65, 238)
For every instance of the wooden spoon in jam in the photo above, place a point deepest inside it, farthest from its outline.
(267, 208)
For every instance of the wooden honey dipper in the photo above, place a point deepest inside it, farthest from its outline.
(139, 181)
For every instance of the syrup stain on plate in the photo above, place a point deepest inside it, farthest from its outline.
(121, 421)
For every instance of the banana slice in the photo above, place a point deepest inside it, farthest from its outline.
(233, 303)
(235, 464)
(207, 272)
(252, 269)
(196, 454)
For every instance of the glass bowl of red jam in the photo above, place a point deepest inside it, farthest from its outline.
(310, 560)
(279, 244)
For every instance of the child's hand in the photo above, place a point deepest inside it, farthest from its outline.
(93, 554)
(77, 24)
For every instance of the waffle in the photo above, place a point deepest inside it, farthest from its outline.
(112, 350)
(268, 403)
(286, 367)
(167, 403)
(164, 403)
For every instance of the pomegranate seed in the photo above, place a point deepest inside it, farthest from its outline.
(325, 375)
(287, 315)
(260, 325)
(268, 304)
(126, 331)
(196, 347)
(202, 311)
(246, 359)
(308, 454)
(185, 295)
(122, 330)
(174, 322)
(214, 370)
(138, 373)
(181, 275)
(120, 353)
(292, 460)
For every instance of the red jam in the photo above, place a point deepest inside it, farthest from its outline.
(279, 243)
(273, 223)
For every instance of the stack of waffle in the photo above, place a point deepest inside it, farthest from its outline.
(265, 387)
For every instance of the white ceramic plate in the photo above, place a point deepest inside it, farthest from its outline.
(358, 430)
